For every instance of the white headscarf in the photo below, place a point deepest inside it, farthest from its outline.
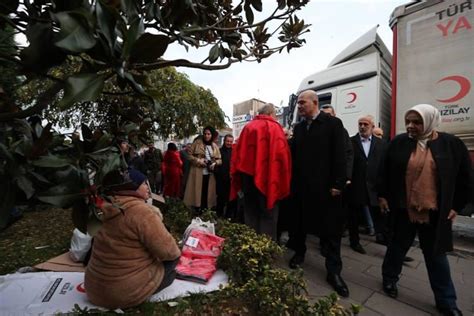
(431, 119)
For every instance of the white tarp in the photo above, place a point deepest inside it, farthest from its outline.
(47, 293)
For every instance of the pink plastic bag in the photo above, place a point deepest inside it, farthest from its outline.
(198, 259)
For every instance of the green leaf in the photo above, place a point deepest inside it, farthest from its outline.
(82, 87)
(106, 22)
(130, 8)
(134, 31)
(148, 48)
(248, 14)
(51, 162)
(60, 196)
(76, 36)
(237, 9)
(41, 54)
(39, 177)
(281, 4)
(214, 53)
(113, 162)
(26, 186)
(257, 4)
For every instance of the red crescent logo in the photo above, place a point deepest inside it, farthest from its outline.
(80, 288)
(354, 97)
(464, 87)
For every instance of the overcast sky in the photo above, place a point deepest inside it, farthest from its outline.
(334, 25)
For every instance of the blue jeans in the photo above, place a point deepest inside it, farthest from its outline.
(437, 264)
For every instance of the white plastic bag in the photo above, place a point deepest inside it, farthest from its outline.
(199, 224)
(80, 245)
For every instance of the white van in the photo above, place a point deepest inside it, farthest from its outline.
(357, 82)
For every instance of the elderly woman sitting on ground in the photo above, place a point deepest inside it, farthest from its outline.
(133, 255)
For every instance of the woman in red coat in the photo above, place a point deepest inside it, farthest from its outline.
(172, 172)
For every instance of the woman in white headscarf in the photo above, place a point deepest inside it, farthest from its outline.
(424, 182)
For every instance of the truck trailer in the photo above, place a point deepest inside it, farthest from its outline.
(356, 82)
(433, 62)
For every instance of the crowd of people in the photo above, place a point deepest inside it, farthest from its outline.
(317, 180)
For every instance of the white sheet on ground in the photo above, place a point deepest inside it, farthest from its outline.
(181, 288)
(47, 293)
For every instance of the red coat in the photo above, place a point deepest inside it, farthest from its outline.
(262, 151)
(172, 173)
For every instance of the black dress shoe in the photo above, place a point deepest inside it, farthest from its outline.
(358, 248)
(447, 311)
(296, 261)
(390, 288)
(338, 284)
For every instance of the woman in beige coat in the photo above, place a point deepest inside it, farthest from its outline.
(133, 255)
(200, 189)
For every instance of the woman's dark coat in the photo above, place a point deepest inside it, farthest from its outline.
(453, 180)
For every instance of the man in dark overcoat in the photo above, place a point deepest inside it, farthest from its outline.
(368, 153)
(319, 165)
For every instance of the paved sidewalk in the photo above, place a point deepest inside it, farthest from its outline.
(362, 274)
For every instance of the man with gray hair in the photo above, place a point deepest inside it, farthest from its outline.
(261, 169)
(267, 109)
(368, 153)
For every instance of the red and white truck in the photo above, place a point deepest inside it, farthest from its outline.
(433, 62)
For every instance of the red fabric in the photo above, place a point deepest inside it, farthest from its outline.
(262, 151)
(198, 258)
(172, 173)
(208, 245)
(196, 269)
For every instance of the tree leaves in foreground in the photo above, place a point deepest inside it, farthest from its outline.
(105, 62)
(119, 41)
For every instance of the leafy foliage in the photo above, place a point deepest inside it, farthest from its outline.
(103, 63)
(248, 256)
(120, 40)
(42, 165)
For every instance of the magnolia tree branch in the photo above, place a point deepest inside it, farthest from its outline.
(184, 63)
(238, 28)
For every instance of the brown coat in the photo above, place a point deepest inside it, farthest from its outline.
(192, 194)
(126, 263)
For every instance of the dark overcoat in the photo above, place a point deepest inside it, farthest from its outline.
(319, 164)
(364, 172)
(453, 181)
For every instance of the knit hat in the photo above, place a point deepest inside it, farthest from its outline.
(128, 180)
(137, 177)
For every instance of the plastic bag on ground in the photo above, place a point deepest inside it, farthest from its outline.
(199, 224)
(80, 245)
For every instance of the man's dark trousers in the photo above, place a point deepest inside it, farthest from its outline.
(331, 241)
